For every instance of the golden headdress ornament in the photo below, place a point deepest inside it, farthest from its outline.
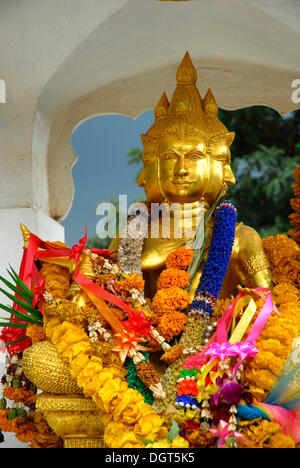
(187, 114)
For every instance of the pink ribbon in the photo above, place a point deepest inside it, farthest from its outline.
(227, 349)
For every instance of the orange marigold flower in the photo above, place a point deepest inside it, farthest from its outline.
(287, 271)
(297, 174)
(296, 187)
(132, 281)
(36, 333)
(170, 300)
(172, 324)
(180, 258)
(20, 395)
(295, 204)
(173, 277)
(295, 234)
(295, 219)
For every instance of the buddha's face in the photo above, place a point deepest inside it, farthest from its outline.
(189, 173)
(220, 170)
(149, 176)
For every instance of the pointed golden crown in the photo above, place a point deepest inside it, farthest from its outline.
(187, 114)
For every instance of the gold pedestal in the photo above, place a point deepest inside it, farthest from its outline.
(74, 418)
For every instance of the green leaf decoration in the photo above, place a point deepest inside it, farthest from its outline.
(15, 341)
(14, 325)
(173, 432)
(20, 295)
(21, 285)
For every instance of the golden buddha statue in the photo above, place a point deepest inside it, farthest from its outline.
(186, 161)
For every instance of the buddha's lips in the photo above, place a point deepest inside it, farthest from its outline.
(182, 182)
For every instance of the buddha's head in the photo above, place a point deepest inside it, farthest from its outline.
(187, 150)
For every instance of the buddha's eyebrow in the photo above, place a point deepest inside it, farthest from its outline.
(222, 156)
(196, 153)
(170, 152)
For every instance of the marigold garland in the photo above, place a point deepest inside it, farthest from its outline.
(173, 277)
(122, 393)
(58, 279)
(169, 300)
(180, 258)
(107, 386)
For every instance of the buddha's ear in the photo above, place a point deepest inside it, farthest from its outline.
(226, 138)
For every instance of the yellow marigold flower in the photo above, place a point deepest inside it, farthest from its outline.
(57, 279)
(130, 407)
(71, 351)
(117, 436)
(280, 440)
(286, 288)
(90, 370)
(129, 440)
(280, 247)
(169, 300)
(109, 391)
(267, 360)
(180, 442)
(258, 393)
(173, 277)
(50, 326)
(78, 364)
(165, 443)
(260, 433)
(180, 258)
(151, 427)
(272, 346)
(260, 378)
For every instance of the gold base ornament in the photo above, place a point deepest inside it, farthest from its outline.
(70, 415)
(74, 418)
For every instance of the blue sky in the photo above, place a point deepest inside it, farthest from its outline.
(102, 171)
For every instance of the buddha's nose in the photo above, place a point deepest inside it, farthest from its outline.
(181, 169)
(229, 178)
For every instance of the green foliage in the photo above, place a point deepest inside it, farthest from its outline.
(134, 156)
(263, 190)
(260, 125)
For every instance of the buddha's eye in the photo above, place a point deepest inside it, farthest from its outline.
(223, 158)
(170, 156)
(195, 155)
